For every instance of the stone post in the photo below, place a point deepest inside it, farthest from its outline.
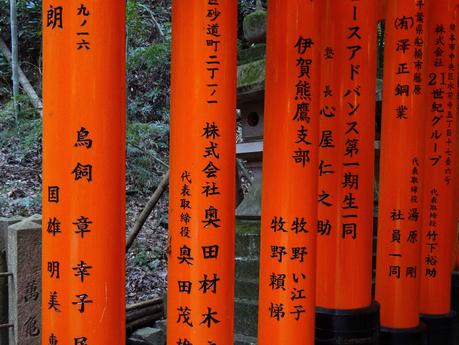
(24, 261)
(4, 223)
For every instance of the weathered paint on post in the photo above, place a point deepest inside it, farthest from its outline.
(83, 172)
(202, 177)
(289, 201)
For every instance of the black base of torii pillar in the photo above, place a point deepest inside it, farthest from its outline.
(440, 329)
(340, 327)
(405, 336)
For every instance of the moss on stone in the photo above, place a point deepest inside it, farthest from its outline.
(254, 53)
(255, 26)
(239, 46)
(251, 73)
(248, 226)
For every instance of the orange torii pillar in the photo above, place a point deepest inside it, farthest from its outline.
(83, 173)
(456, 167)
(381, 9)
(439, 212)
(289, 201)
(202, 178)
(346, 175)
(401, 166)
(456, 174)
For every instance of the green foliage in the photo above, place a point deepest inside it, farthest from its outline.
(27, 134)
(148, 60)
(7, 116)
(150, 56)
(30, 133)
(29, 34)
(20, 161)
(134, 25)
(26, 111)
(149, 73)
(149, 257)
(147, 152)
(29, 25)
(5, 77)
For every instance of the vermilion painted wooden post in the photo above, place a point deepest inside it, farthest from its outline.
(289, 201)
(346, 173)
(456, 174)
(401, 172)
(202, 179)
(439, 211)
(83, 172)
(381, 6)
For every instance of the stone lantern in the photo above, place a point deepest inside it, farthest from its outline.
(250, 102)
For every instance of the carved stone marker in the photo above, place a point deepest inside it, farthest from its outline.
(4, 224)
(24, 261)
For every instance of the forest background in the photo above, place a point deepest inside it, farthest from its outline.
(148, 29)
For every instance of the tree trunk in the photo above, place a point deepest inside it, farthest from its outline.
(153, 19)
(28, 89)
(147, 210)
(14, 56)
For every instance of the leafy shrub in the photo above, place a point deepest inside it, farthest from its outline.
(147, 155)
